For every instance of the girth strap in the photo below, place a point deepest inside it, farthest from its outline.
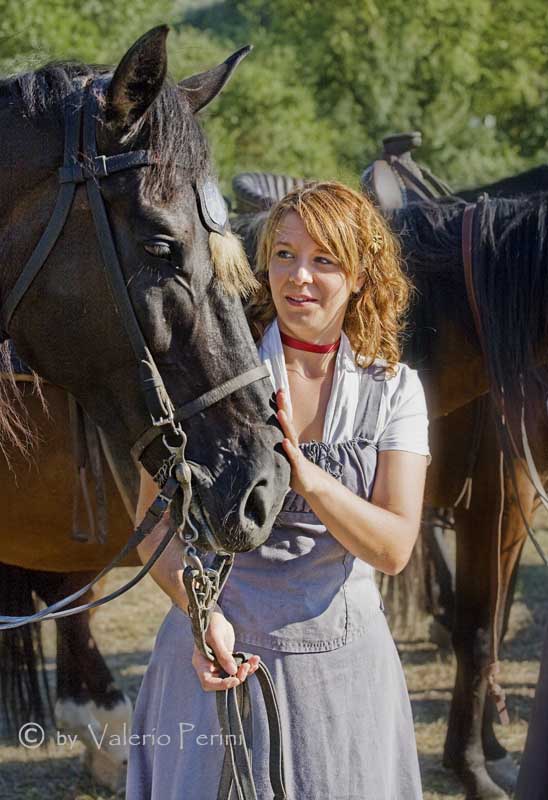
(87, 452)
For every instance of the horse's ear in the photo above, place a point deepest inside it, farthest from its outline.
(201, 89)
(137, 81)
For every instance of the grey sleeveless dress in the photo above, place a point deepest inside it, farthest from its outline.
(313, 614)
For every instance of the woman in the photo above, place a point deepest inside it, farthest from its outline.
(328, 315)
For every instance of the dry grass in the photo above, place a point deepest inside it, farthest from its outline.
(125, 631)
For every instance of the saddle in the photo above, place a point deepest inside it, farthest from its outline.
(88, 456)
(394, 180)
(258, 191)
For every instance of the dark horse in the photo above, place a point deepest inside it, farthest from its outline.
(510, 237)
(492, 508)
(529, 182)
(510, 256)
(483, 578)
(181, 275)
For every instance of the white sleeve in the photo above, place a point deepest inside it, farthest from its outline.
(404, 424)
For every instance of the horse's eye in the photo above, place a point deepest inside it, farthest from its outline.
(158, 249)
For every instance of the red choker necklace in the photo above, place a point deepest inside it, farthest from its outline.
(297, 344)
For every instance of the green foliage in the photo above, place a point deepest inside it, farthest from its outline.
(35, 31)
(264, 119)
(326, 81)
(470, 74)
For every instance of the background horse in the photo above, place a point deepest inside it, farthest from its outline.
(176, 276)
(467, 468)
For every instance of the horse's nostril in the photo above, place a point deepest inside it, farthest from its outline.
(255, 508)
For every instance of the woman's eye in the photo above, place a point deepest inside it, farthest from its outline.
(323, 260)
(158, 249)
(284, 254)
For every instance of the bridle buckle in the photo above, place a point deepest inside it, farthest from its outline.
(100, 168)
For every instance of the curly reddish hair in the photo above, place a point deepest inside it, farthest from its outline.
(352, 230)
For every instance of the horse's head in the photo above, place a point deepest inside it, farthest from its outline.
(182, 278)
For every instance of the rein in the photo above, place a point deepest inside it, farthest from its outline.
(83, 165)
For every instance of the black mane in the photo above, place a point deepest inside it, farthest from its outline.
(168, 129)
(510, 258)
(431, 239)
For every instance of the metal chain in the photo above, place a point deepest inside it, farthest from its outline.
(203, 586)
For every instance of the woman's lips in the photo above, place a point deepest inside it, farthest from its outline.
(300, 301)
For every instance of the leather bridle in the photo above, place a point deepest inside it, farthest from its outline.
(83, 165)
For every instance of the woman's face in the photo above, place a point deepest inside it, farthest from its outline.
(309, 289)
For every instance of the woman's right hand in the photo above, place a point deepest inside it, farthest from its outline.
(220, 637)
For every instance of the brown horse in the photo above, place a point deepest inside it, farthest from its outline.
(466, 447)
(484, 579)
(41, 556)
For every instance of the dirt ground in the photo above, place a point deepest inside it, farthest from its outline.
(125, 631)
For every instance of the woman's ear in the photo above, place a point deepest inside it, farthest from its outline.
(358, 283)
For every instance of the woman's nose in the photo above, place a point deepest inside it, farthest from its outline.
(301, 273)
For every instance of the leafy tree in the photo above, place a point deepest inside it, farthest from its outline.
(327, 81)
(263, 120)
(34, 31)
(470, 74)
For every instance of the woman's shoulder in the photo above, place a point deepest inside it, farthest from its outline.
(399, 379)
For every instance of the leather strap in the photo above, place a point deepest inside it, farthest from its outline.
(58, 218)
(200, 404)
(234, 711)
(482, 405)
(87, 452)
(151, 519)
(419, 187)
(467, 262)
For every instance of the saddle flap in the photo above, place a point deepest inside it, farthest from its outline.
(380, 182)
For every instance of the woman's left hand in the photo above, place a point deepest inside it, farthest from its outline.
(304, 474)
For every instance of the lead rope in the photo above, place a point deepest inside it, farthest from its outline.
(203, 586)
(178, 481)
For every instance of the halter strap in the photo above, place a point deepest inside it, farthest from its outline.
(200, 404)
